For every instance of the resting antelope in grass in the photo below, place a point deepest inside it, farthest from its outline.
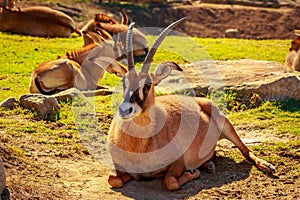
(72, 70)
(166, 136)
(111, 26)
(37, 21)
(292, 60)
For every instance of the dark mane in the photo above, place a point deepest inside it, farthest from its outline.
(74, 54)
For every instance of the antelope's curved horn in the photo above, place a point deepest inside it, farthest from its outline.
(156, 44)
(124, 18)
(129, 49)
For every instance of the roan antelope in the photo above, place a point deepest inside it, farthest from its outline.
(73, 70)
(167, 136)
(37, 21)
(111, 26)
(292, 59)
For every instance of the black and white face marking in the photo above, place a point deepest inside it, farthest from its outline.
(136, 89)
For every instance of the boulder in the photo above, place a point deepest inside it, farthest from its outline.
(69, 94)
(270, 80)
(46, 107)
(232, 33)
(9, 103)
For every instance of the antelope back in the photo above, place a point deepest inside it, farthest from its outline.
(140, 44)
(104, 18)
(79, 55)
(37, 21)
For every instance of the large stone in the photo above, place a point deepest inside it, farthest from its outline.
(69, 94)
(46, 107)
(9, 103)
(270, 80)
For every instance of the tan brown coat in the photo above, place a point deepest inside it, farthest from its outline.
(37, 21)
(292, 60)
(74, 70)
(166, 136)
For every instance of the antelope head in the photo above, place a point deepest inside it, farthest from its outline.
(138, 87)
(295, 44)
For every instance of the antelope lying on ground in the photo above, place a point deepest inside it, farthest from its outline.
(167, 136)
(292, 59)
(73, 70)
(112, 27)
(37, 21)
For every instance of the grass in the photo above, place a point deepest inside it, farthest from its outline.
(271, 115)
(21, 54)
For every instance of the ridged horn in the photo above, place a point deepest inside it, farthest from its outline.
(156, 44)
(129, 49)
(124, 18)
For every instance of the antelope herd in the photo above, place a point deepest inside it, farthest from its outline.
(73, 69)
(168, 136)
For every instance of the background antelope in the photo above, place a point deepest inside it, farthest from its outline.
(72, 70)
(37, 21)
(112, 27)
(167, 136)
(292, 59)
(7, 3)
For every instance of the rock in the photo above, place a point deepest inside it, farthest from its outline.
(9, 103)
(67, 95)
(270, 80)
(46, 107)
(232, 33)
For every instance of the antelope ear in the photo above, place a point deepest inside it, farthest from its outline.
(163, 70)
(111, 65)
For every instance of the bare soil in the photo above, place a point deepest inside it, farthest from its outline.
(44, 174)
(203, 19)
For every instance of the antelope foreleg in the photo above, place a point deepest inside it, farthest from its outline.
(172, 183)
(229, 133)
(261, 164)
(119, 179)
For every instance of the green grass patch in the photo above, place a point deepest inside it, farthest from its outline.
(22, 54)
(271, 115)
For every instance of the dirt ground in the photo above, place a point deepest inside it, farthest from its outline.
(203, 20)
(44, 175)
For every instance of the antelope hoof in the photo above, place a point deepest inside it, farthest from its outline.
(265, 166)
(115, 181)
(193, 173)
(209, 166)
(172, 184)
